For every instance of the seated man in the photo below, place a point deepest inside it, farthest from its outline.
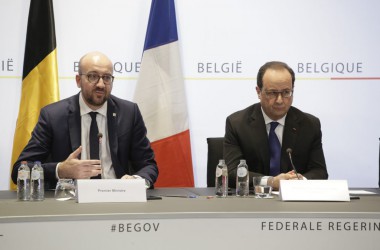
(264, 132)
(62, 137)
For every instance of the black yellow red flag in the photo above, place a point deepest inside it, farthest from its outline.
(40, 73)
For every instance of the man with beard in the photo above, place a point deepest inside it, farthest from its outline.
(61, 138)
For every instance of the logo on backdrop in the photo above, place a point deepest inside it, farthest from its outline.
(9, 65)
(330, 68)
(327, 69)
(220, 67)
(6, 65)
(119, 67)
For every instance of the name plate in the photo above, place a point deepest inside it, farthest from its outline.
(314, 190)
(110, 190)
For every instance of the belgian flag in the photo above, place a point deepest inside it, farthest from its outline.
(40, 73)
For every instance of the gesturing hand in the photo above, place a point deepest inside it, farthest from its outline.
(73, 168)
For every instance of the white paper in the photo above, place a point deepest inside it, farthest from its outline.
(110, 190)
(314, 190)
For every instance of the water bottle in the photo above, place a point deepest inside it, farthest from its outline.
(242, 179)
(23, 182)
(221, 179)
(37, 182)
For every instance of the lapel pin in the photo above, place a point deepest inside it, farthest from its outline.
(114, 114)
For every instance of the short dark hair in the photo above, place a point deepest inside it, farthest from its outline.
(273, 65)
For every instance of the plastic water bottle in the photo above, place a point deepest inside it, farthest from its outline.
(23, 182)
(37, 182)
(221, 179)
(242, 179)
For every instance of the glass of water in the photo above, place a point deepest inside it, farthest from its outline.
(65, 190)
(262, 189)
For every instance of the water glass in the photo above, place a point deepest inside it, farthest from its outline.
(65, 190)
(262, 190)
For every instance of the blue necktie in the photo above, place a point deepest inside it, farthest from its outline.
(274, 150)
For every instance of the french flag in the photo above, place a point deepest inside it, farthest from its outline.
(160, 94)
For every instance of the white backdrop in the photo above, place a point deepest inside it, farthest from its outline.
(321, 40)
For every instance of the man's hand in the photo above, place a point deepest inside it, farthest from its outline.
(126, 177)
(291, 175)
(73, 168)
(295, 176)
(129, 177)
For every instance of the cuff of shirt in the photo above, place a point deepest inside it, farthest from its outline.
(147, 183)
(56, 170)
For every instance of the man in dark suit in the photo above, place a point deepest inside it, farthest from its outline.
(247, 132)
(60, 139)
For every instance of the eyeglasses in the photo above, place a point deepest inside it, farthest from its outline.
(272, 94)
(94, 78)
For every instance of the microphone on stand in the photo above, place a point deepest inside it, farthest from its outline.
(100, 137)
(289, 151)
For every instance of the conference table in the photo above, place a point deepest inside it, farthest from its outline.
(190, 218)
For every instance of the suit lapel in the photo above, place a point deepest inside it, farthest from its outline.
(289, 138)
(259, 133)
(74, 121)
(112, 114)
(290, 130)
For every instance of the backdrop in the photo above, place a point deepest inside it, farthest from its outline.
(332, 45)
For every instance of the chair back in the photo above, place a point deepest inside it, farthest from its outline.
(214, 154)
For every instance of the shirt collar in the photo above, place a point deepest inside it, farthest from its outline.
(268, 120)
(84, 109)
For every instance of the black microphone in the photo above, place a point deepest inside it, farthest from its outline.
(100, 136)
(289, 151)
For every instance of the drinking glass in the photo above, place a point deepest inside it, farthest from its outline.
(262, 190)
(65, 190)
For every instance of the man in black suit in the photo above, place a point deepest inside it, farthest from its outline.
(247, 130)
(60, 139)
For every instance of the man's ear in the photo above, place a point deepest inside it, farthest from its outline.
(78, 80)
(258, 91)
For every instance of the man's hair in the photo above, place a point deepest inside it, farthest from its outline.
(273, 65)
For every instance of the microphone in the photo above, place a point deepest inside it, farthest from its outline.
(100, 137)
(289, 151)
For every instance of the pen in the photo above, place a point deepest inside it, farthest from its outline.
(154, 198)
(354, 198)
(182, 196)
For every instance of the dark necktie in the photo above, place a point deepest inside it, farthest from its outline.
(274, 150)
(94, 141)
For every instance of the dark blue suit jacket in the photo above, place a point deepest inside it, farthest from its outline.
(247, 138)
(58, 133)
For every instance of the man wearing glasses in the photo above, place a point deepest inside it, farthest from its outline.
(271, 133)
(92, 134)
